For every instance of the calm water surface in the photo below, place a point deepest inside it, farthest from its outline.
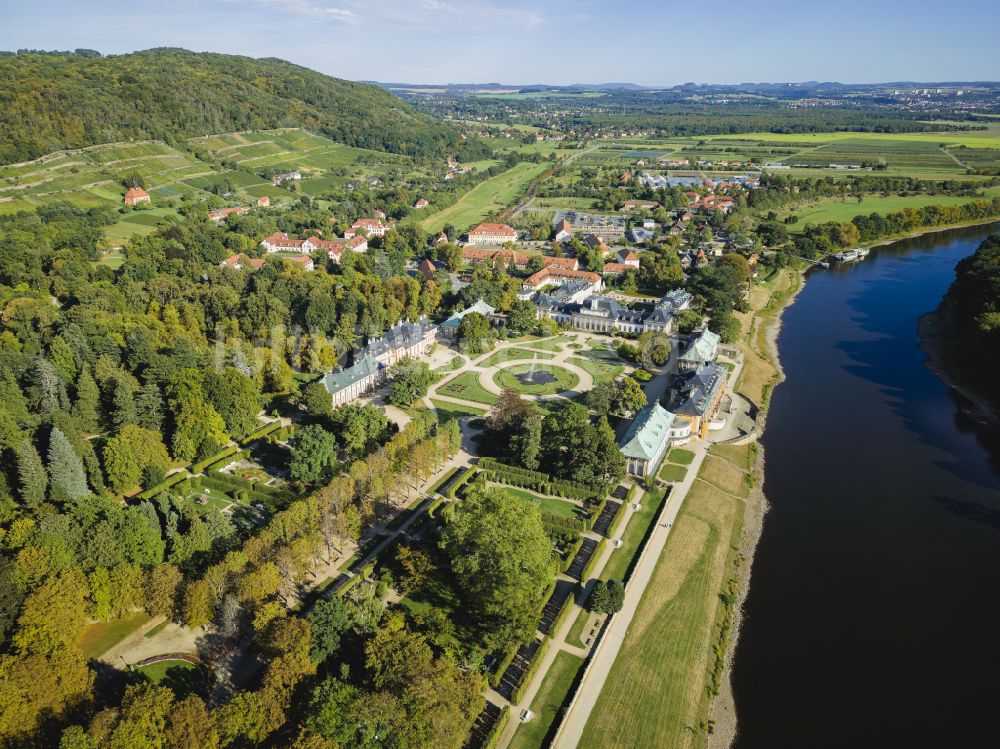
(873, 617)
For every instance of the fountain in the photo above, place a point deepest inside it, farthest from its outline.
(533, 376)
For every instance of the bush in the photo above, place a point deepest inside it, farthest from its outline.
(606, 597)
(152, 475)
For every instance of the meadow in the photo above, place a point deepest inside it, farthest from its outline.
(485, 199)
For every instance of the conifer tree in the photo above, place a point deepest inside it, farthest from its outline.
(67, 480)
(149, 407)
(86, 407)
(31, 474)
(123, 403)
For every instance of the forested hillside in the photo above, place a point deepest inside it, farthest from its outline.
(54, 101)
(974, 298)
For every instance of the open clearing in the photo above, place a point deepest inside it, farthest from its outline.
(840, 210)
(493, 195)
(655, 694)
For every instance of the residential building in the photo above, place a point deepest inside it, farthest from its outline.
(427, 269)
(647, 439)
(492, 234)
(421, 203)
(221, 213)
(563, 230)
(241, 261)
(287, 176)
(616, 269)
(373, 227)
(136, 195)
(280, 242)
(629, 257)
(514, 259)
(554, 275)
(264, 201)
(604, 226)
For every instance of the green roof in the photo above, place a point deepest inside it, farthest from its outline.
(648, 431)
(337, 381)
(703, 349)
(480, 306)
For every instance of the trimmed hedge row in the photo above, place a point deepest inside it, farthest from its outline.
(169, 481)
(645, 536)
(493, 737)
(444, 479)
(433, 506)
(257, 434)
(461, 481)
(573, 549)
(561, 616)
(502, 666)
(201, 465)
(363, 573)
(619, 516)
(541, 481)
(570, 524)
(529, 672)
(585, 575)
(252, 486)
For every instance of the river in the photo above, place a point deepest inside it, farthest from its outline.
(873, 615)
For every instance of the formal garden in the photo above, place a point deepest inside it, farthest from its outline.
(536, 379)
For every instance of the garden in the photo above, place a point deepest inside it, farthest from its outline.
(536, 379)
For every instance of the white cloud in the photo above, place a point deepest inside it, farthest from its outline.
(308, 8)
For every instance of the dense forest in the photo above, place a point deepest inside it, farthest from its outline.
(67, 100)
(974, 301)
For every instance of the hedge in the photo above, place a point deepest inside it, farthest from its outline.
(529, 672)
(585, 575)
(460, 482)
(262, 432)
(432, 507)
(619, 516)
(558, 521)
(493, 737)
(502, 666)
(645, 537)
(363, 573)
(573, 549)
(201, 465)
(561, 616)
(174, 478)
(535, 480)
(596, 513)
(444, 479)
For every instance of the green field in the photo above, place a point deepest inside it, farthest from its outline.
(489, 197)
(632, 537)
(446, 410)
(545, 504)
(548, 700)
(182, 677)
(600, 368)
(512, 354)
(466, 386)
(672, 472)
(565, 380)
(838, 210)
(660, 686)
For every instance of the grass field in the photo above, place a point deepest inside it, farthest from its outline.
(838, 210)
(466, 386)
(599, 368)
(631, 537)
(655, 694)
(681, 457)
(446, 410)
(100, 637)
(672, 472)
(545, 504)
(182, 677)
(491, 196)
(512, 354)
(548, 700)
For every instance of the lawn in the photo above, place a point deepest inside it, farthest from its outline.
(182, 677)
(455, 363)
(599, 368)
(838, 210)
(671, 472)
(553, 344)
(548, 701)
(491, 196)
(578, 632)
(446, 410)
(681, 457)
(511, 354)
(660, 687)
(546, 504)
(632, 536)
(466, 386)
(564, 379)
(100, 637)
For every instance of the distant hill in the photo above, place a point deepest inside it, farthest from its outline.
(52, 101)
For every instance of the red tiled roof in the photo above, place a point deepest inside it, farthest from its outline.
(617, 268)
(136, 192)
(565, 263)
(487, 228)
(544, 274)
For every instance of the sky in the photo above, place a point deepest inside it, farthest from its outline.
(651, 42)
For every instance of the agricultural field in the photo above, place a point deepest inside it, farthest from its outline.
(844, 210)
(489, 197)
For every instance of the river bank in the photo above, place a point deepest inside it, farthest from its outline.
(760, 342)
(926, 498)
